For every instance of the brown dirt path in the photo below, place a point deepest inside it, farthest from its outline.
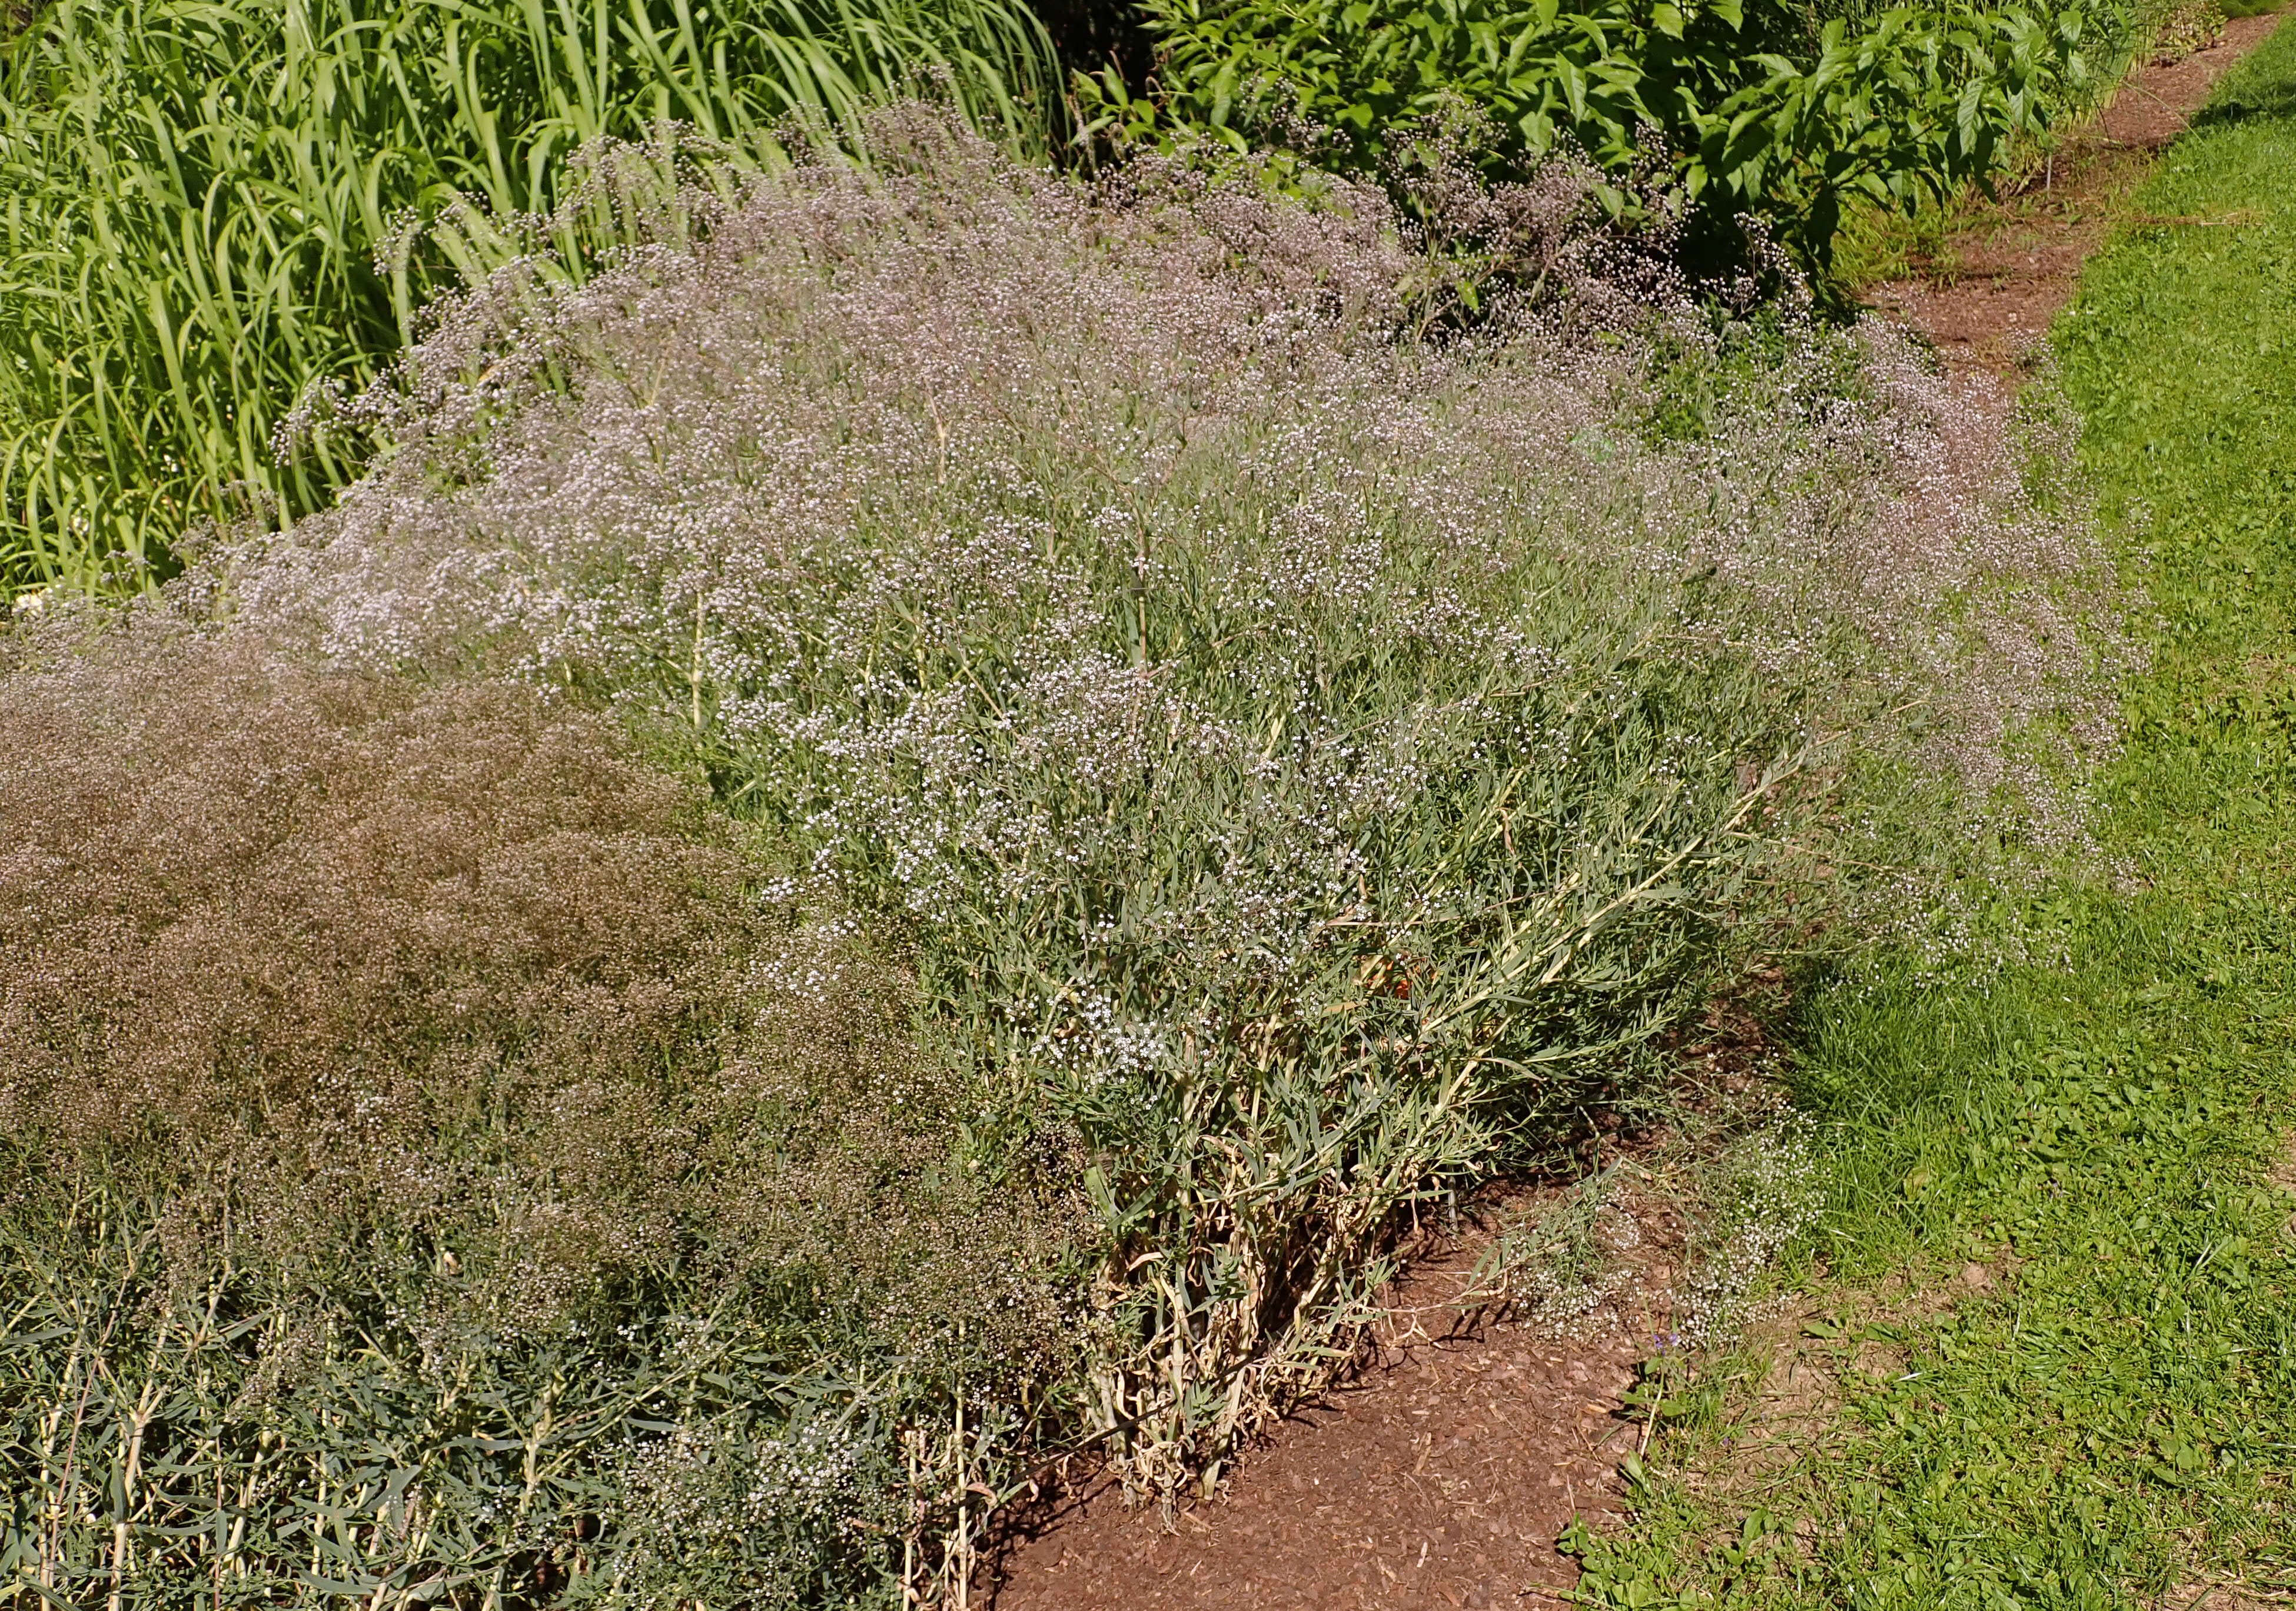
(1987, 292)
(1442, 1474)
(1439, 1477)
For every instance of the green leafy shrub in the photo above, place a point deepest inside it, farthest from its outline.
(2187, 28)
(1745, 110)
(205, 207)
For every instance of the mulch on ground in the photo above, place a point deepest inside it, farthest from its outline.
(1441, 1476)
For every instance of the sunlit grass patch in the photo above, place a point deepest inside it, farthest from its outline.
(2100, 1415)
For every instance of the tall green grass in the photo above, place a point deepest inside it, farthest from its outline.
(207, 205)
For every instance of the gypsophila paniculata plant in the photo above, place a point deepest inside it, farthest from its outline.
(1225, 721)
(417, 1106)
(1318, 760)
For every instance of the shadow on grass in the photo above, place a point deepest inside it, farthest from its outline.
(2238, 103)
(2274, 105)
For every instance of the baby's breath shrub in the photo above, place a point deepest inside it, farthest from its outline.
(441, 1156)
(278, 934)
(1315, 752)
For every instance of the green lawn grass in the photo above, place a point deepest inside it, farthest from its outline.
(2106, 1417)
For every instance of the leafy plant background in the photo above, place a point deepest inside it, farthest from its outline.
(1767, 110)
(209, 207)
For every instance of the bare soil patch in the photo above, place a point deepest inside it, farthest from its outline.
(1438, 1476)
(1987, 293)
(2283, 1174)
(2216, 1597)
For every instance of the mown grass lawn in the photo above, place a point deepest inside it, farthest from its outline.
(2104, 1413)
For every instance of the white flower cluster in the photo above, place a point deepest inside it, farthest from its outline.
(804, 1477)
(1766, 1194)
